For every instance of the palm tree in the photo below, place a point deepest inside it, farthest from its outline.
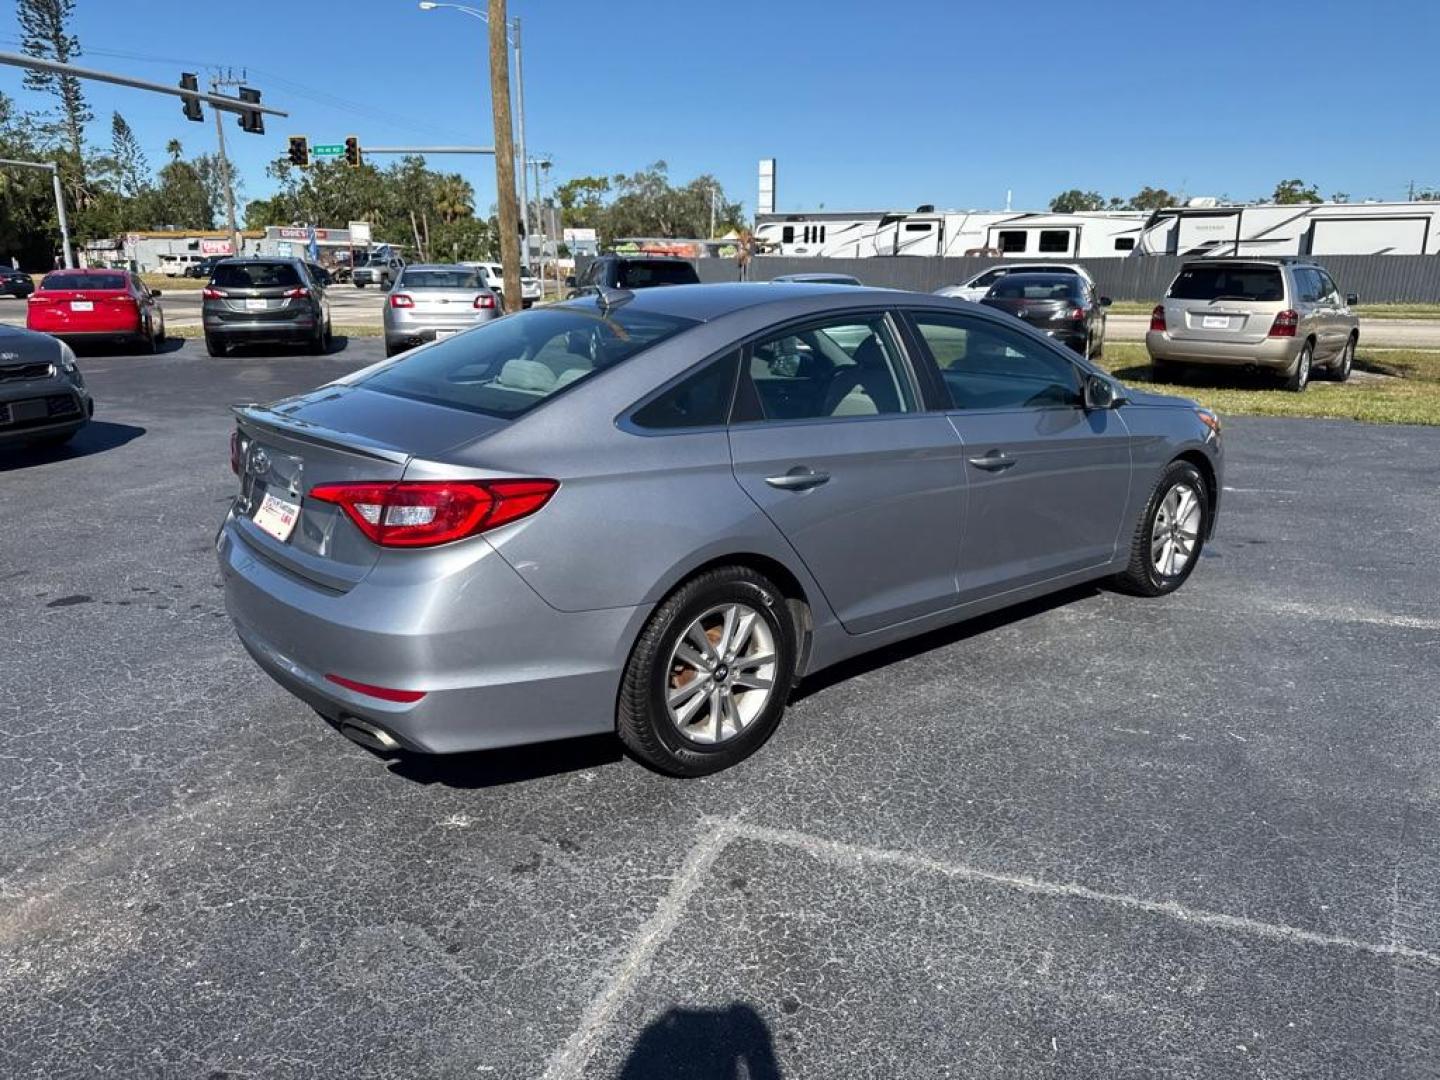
(174, 149)
(454, 198)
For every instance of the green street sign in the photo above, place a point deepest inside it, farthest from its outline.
(332, 150)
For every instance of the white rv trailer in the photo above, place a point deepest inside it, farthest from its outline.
(1402, 228)
(926, 231)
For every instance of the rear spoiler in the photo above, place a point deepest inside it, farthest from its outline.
(265, 417)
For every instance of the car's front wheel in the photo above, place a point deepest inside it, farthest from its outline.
(707, 681)
(1170, 534)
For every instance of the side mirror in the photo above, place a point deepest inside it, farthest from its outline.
(1105, 301)
(1352, 298)
(570, 281)
(1101, 393)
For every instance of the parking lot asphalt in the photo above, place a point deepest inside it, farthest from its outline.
(1096, 836)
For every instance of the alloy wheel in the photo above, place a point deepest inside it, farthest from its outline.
(721, 674)
(1176, 532)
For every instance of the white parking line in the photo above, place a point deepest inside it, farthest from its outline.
(572, 1059)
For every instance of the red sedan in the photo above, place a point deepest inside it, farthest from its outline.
(80, 305)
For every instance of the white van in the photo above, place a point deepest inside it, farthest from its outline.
(173, 264)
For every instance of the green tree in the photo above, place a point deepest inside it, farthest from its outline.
(1292, 192)
(131, 172)
(1069, 202)
(45, 34)
(1148, 198)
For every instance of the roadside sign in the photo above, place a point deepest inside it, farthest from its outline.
(359, 232)
(328, 150)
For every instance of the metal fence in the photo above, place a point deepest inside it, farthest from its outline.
(1377, 278)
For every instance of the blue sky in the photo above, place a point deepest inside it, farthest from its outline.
(865, 105)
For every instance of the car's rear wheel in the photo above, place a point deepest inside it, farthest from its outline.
(1340, 367)
(1170, 534)
(707, 681)
(1299, 376)
(215, 345)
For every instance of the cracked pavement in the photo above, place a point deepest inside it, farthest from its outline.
(1096, 836)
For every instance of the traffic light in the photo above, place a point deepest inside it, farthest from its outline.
(299, 151)
(190, 81)
(251, 120)
(352, 151)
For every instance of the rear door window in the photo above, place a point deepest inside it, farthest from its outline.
(1261, 284)
(984, 366)
(255, 275)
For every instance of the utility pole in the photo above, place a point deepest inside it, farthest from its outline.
(504, 152)
(520, 121)
(1412, 190)
(215, 85)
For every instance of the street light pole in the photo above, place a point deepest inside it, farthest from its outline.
(54, 171)
(215, 85)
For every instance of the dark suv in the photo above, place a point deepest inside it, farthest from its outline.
(633, 272)
(264, 300)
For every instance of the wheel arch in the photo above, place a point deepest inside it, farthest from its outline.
(1212, 481)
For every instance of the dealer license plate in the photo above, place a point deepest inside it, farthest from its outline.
(1215, 322)
(277, 516)
(82, 305)
(255, 305)
(445, 333)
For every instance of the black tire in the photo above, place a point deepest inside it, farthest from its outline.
(1142, 577)
(359, 284)
(1297, 380)
(642, 717)
(393, 350)
(1340, 367)
(215, 345)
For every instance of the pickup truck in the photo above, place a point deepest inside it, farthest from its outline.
(380, 271)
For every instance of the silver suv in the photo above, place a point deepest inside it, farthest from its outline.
(1283, 315)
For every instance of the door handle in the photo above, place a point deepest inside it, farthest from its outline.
(800, 478)
(994, 461)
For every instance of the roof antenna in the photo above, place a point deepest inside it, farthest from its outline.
(609, 298)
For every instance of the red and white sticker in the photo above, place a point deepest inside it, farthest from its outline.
(277, 516)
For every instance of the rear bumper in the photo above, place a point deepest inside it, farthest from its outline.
(410, 329)
(294, 329)
(1277, 353)
(499, 667)
(1074, 339)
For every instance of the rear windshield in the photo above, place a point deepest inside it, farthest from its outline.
(440, 279)
(509, 366)
(1013, 287)
(255, 275)
(83, 281)
(1261, 283)
(638, 275)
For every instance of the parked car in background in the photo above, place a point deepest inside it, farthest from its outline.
(175, 264)
(1065, 307)
(97, 305)
(818, 279)
(633, 272)
(976, 287)
(43, 398)
(381, 270)
(652, 512)
(431, 302)
(1282, 315)
(492, 276)
(15, 283)
(264, 300)
(320, 275)
(204, 268)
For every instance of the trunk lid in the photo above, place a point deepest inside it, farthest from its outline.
(1039, 312)
(458, 302)
(336, 434)
(1234, 302)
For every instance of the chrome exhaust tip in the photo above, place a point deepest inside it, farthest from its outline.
(371, 736)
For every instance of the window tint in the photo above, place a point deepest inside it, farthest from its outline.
(989, 278)
(844, 367)
(1029, 287)
(1055, 240)
(1214, 282)
(1309, 285)
(1013, 239)
(1328, 288)
(509, 366)
(439, 279)
(1124, 243)
(83, 281)
(255, 275)
(638, 275)
(989, 367)
(702, 400)
(918, 226)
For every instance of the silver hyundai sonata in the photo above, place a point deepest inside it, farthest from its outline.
(653, 513)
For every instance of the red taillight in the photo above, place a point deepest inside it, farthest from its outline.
(400, 299)
(297, 293)
(237, 451)
(384, 693)
(484, 300)
(1075, 314)
(1285, 323)
(1157, 319)
(36, 298)
(213, 294)
(423, 513)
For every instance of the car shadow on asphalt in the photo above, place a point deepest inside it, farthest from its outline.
(338, 344)
(938, 639)
(96, 349)
(94, 438)
(511, 765)
(704, 1044)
